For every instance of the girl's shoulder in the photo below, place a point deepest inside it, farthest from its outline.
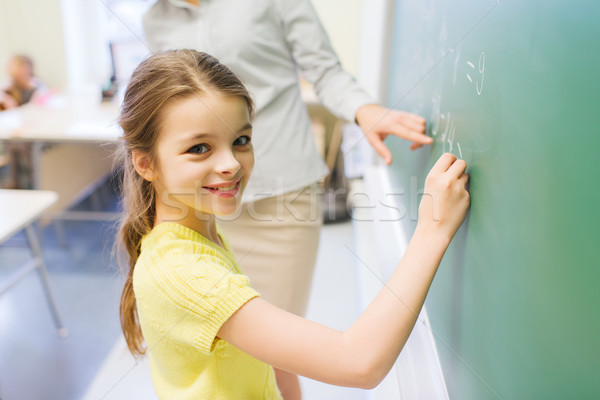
(183, 254)
(172, 250)
(182, 277)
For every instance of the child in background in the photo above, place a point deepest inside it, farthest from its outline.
(187, 157)
(24, 84)
(23, 88)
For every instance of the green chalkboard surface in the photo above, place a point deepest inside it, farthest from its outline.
(513, 88)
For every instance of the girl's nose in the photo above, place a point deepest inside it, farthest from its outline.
(228, 164)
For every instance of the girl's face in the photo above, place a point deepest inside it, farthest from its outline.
(204, 156)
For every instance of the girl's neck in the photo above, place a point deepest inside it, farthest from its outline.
(204, 224)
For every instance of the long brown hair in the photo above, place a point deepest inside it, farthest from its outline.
(157, 81)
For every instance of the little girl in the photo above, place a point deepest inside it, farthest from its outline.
(187, 158)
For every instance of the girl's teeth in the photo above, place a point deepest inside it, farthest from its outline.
(223, 189)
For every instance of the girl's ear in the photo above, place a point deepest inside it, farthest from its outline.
(143, 166)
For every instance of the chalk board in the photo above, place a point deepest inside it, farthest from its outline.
(512, 87)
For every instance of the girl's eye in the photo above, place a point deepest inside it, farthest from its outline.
(242, 140)
(198, 149)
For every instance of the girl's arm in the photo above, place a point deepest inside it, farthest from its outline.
(362, 355)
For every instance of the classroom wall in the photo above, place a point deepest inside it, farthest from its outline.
(3, 42)
(34, 28)
(66, 37)
(344, 33)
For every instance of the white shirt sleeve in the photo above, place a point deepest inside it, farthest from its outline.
(313, 53)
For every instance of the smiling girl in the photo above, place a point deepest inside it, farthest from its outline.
(187, 157)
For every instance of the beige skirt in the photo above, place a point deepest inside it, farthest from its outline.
(275, 241)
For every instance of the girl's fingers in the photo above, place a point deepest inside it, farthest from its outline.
(457, 168)
(443, 163)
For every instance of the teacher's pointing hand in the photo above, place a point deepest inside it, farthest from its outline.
(378, 122)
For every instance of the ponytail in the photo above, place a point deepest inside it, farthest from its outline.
(138, 203)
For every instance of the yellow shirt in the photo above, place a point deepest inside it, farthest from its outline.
(186, 287)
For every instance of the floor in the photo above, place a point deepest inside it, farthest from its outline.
(92, 363)
(334, 301)
(35, 363)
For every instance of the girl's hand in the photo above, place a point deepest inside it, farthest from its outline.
(378, 122)
(445, 199)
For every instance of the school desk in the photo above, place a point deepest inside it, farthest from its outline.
(19, 210)
(72, 142)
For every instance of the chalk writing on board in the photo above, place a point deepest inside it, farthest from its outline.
(443, 37)
(481, 69)
(435, 114)
(450, 137)
(446, 119)
(449, 134)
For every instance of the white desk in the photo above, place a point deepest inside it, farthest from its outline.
(86, 131)
(19, 209)
(62, 119)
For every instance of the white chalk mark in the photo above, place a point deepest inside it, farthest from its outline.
(470, 64)
(446, 131)
(444, 136)
(469, 78)
(435, 115)
(451, 137)
(443, 35)
(459, 150)
(482, 71)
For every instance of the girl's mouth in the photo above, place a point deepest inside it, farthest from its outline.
(225, 191)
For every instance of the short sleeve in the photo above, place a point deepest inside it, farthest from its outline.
(194, 299)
